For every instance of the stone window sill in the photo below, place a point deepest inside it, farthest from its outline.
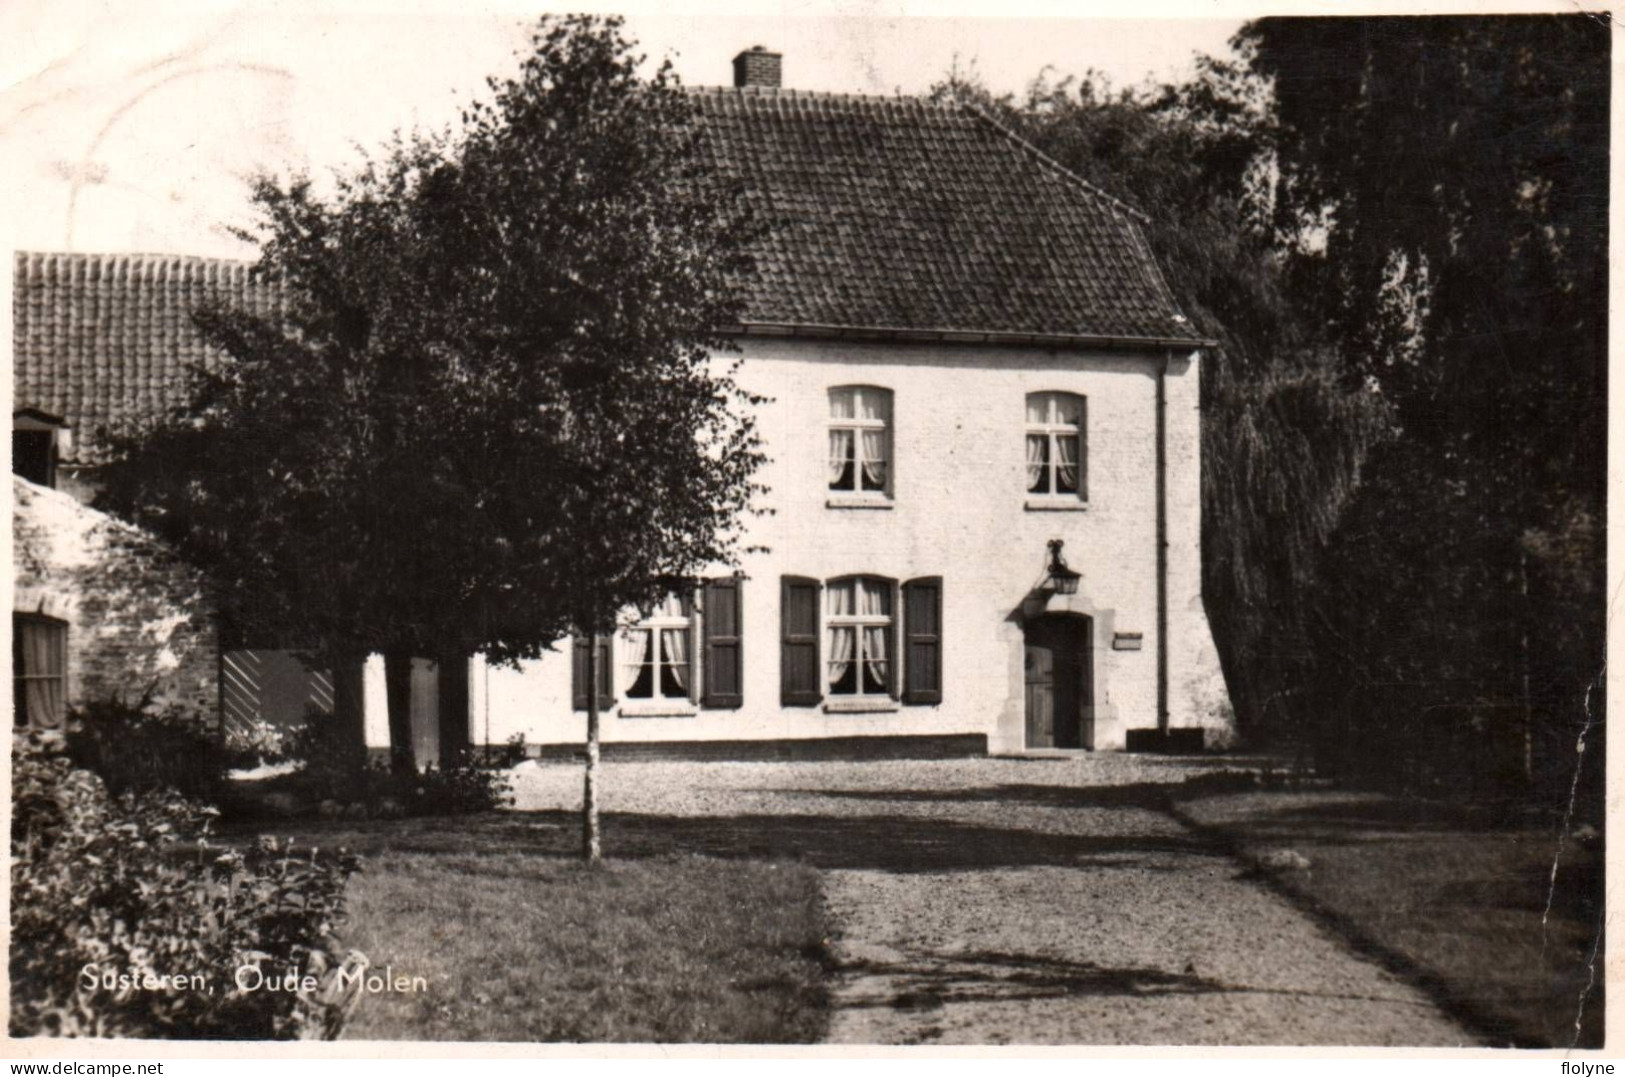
(860, 706)
(1069, 504)
(855, 501)
(659, 708)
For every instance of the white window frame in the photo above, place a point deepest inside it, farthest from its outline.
(1052, 429)
(839, 498)
(657, 703)
(858, 622)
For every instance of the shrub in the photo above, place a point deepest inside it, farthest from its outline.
(500, 757)
(464, 789)
(337, 778)
(258, 742)
(135, 749)
(129, 888)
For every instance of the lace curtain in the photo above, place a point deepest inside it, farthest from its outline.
(1037, 446)
(44, 666)
(840, 456)
(674, 648)
(874, 459)
(1067, 465)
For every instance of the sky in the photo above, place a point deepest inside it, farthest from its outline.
(131, 126)
(136, 128)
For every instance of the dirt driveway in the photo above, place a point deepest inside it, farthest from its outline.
(1027, 902)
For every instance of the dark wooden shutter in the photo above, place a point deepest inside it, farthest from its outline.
(724, 668)
(578, 674)
(922, 621)
(800, 677)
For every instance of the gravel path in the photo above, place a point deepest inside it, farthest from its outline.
(1027, 902)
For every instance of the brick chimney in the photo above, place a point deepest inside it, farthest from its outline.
(758, 67)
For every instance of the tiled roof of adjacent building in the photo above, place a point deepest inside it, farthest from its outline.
(897, 213)
(892, 216)
(105, 340)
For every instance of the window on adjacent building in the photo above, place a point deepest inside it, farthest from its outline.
(1055, 445)
(33, 455)
(860, 440)
(657, 653)
(858, 617)
(39, 663)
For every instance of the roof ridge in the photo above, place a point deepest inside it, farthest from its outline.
(133, 256)
(839, 96)
(1067, 173)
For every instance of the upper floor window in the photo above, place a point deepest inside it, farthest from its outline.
(39, 670)
(657, 652)
(859, 618)
(860, 440)
(1055, 445)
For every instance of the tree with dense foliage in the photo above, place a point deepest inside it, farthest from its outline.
(1450, 223)
(491, 410)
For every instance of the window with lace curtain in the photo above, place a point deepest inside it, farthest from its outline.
(860, 441)
(39, 670)
(657, 653)
(1055, 446)
(858, 617)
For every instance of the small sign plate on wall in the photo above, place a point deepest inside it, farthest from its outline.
(1127, 641)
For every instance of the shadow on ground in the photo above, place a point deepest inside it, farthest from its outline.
(1150, 796)
(878, 841)
(1002, 977)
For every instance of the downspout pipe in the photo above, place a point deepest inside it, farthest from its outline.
(1162, 542)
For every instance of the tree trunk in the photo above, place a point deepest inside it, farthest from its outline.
(453, 717)
(398, 691)
(1528, 760)
(592, 848)
(349, 701)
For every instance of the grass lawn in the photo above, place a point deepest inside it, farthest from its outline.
(1465, 901)
(527, 945)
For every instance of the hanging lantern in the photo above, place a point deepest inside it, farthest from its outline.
(1062, 580)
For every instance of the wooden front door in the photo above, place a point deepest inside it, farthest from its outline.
(1059, 694)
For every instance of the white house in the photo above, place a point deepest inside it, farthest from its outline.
(984, 445)
(970, 355)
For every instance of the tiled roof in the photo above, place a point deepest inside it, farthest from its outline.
(104, 340)
(896, 213)
(886, 214)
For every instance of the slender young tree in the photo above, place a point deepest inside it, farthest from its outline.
(496, 405)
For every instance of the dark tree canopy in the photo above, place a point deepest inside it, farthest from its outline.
(491, 409)
(1443, 194)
